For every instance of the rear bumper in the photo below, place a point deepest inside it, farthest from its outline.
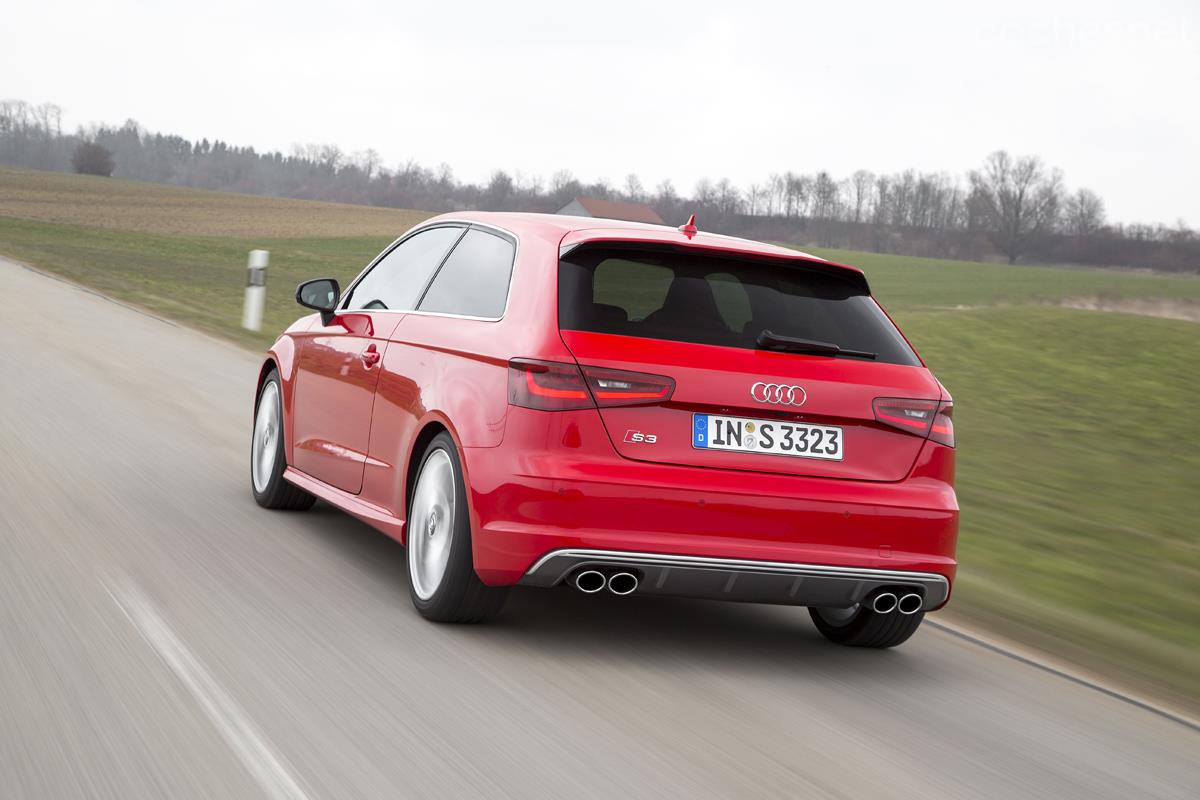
(741, 580)
(554, 496)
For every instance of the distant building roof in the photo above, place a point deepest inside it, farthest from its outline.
(607, 209)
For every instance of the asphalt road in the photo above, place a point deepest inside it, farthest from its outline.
(163, 637)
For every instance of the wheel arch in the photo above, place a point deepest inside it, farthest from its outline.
(281, 357)
(268, 364)
(428, 430)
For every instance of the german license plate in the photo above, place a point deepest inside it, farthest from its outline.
(766, 436)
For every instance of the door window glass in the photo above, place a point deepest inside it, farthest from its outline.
(396, 282)
(474, 280)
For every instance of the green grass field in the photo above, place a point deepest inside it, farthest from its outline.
(1079, 460)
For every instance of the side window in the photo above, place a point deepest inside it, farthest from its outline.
(396, 282)
(474, 280)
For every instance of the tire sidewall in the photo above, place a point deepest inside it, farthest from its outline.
(280, 464)
(460, 567)
(869, 629)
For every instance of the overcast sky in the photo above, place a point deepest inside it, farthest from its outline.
(1107, 91)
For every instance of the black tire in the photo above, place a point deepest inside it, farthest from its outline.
(459, 597)
(868, 628)
(275, 492)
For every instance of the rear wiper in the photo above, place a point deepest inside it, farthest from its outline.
(789, 344)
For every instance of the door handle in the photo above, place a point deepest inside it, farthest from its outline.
(370, 356)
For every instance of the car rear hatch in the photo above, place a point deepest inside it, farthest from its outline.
(780, 402)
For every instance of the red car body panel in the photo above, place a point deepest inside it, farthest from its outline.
(540, 481)
(561, 488)
(715, 379)
(331, 429)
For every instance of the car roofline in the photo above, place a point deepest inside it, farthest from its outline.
(579, 230)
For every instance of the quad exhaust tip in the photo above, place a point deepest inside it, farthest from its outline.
(623, 583)
(590, 581)
(910, 603)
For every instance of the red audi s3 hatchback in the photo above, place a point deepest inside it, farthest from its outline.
(617, 407)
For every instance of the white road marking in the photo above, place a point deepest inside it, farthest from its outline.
(234, 725)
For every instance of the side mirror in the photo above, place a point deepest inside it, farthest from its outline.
(322, 295)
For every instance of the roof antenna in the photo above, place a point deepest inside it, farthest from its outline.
(689, 229)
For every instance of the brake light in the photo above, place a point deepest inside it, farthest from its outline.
(613, 387)
(554, 386)
(925, 418)
(943, 427)
(546, 385)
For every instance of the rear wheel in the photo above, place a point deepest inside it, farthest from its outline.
(267, 461)
(441, 572)
(859, 626)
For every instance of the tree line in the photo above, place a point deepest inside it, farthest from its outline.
(1014, 208)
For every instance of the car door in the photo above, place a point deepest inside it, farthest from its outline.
(339, 364)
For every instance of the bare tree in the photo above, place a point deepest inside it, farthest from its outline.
(498, 190)
(528, 186)
(729, 199)
(1021, 200)
(883, 197)
(328, 156)
(666, 201)
(860, 192)
(705, 193)
(602, 189)
(48, 118)
(1084, 213)
(563, 188)
(634, 189)
(754, 198)
(798, 188)
(776, 191)
(665, 192)
(368, 161)
(824, 196)
(562, 181)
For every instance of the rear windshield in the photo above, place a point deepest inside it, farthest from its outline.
(720, 301)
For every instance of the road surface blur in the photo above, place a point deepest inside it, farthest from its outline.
(163, 637)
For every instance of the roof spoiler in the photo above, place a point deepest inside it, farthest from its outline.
(800, 260)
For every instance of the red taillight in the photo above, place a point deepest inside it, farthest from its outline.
(553, 386)
(924, 418)
(943, 427)
(546, 385)
(613, 387)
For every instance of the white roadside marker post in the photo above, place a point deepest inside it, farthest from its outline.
(256, 290)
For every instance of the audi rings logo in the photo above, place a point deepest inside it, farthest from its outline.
(778, 394)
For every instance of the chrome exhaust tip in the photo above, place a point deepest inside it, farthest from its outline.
(623, 583)
(910, 603)
(884, 603)
(589, 581)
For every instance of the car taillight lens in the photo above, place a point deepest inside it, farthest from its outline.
(546, 385)
(943, 427)
(613, 387)
(554, 386)
(924, 418)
